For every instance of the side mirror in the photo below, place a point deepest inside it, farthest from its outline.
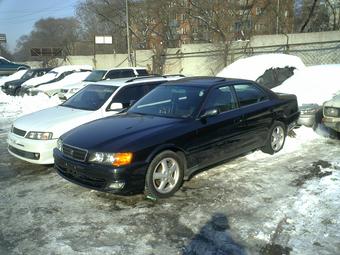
(116, 107)
(209, 113)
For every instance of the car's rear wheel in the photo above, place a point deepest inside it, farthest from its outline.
(164, 175)
(276, 138)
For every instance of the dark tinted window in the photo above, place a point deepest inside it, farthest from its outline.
(142, 72)
(171, 101)
(221, 98)
(91, 97)
(114, 74)
(96, 75)
(249, 94)
(133, 93)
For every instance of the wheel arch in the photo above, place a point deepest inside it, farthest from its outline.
(168, 147)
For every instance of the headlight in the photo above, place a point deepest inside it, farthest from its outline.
(332, 112)
(114, 159)
(60, 144)
(39, 135)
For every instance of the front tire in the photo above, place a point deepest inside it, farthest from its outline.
(164, 175)
(276, 138)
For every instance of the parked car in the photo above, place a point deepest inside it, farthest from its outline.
(56, 74)
(331, 113)
(313, 86)
(7, 67)
(17, 75)
(53, 88)
(177, 129)
(98, 75)
(269, 70)
(33, 136)
(13, 87)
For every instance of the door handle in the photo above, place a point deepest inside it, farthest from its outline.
(238, 121)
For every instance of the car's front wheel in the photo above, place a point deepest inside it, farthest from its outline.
(276, 139)
(164, 175)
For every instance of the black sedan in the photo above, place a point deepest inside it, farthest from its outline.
(172, 132)
(13, 87)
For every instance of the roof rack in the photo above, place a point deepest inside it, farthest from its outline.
(153, 76)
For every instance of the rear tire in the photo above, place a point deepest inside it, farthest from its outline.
(164, 175)
(276, 138)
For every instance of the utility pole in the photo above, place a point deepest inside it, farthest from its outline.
(128, 33)
(277, 16)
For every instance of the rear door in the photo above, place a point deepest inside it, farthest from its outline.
(255, 106)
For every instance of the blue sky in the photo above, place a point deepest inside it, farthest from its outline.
(17, 17)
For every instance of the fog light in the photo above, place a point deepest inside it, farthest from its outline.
(37, 155)
(117, 185)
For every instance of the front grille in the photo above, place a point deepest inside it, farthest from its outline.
(19, 132)
(74, 152)
(24, 154)
(63, 90)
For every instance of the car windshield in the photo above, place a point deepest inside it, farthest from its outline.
(96, 76)
(176, 101)
(27, 75)
(90, 98)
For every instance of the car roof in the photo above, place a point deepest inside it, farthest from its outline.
(121, 68)
(206, 81)
(120, 82)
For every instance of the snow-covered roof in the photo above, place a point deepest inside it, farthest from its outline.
(61, 69)
(253, 67)
(314, 84)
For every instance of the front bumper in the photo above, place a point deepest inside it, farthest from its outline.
(307, 120)
(33, 151)
(101, 177)
(333, 123)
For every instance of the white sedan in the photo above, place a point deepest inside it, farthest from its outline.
(33, 136)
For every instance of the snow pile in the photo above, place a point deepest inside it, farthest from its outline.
(17, 106)
(292, 144)
(16, 76)
(314, 84)
(253, 67)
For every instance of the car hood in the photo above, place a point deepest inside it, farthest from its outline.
(334, 102)
(57, 120)
(15, 82)
(122, 132)
(39, 80)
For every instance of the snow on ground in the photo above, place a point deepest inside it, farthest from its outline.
(246, 206)
(314, 84)
(253, 67)
(13, 107)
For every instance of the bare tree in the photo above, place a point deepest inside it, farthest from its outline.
(50, 32)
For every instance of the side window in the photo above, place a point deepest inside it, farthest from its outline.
(114, 74)
(249, 94)
(142, 72)
(221, 98)
(133, 93)
(127, 94)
